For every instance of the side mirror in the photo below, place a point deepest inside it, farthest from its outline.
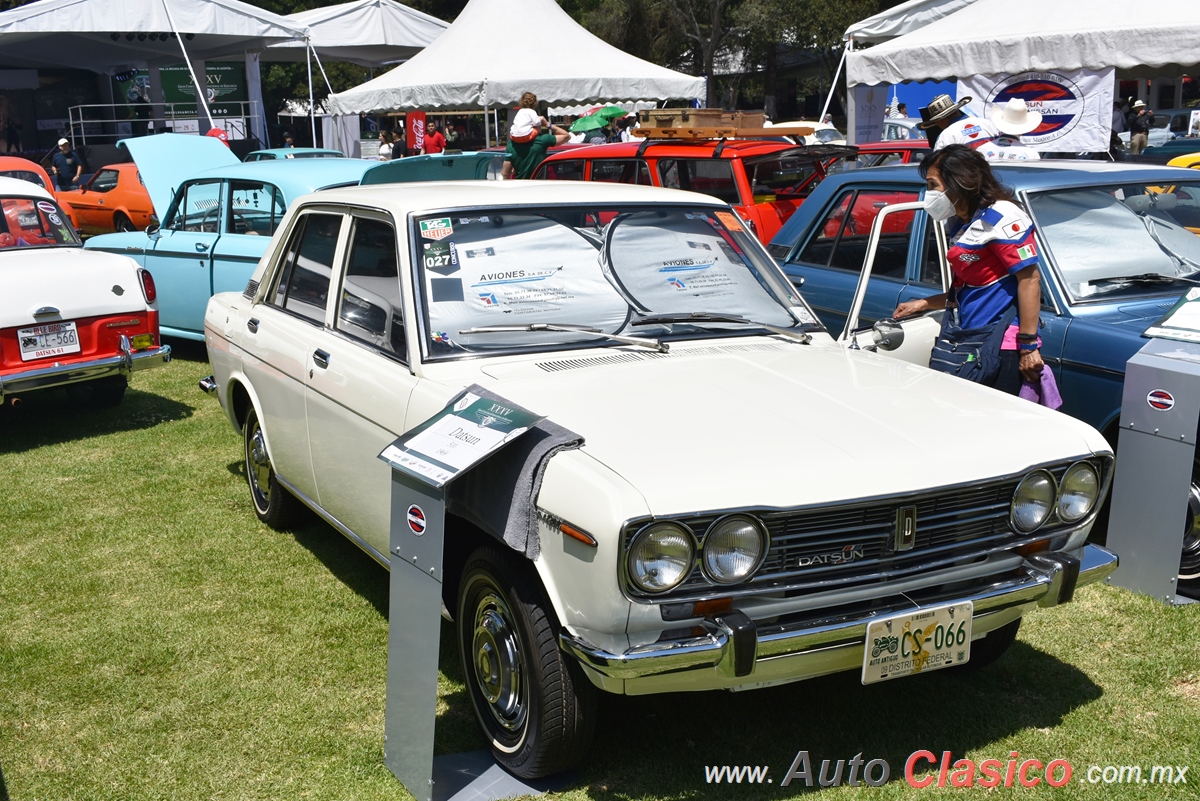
(154, 230)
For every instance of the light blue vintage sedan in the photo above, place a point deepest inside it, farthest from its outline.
(217, 215)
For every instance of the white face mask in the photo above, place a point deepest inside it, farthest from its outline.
(938, 206)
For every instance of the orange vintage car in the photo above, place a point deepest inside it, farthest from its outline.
(113, 200)
(25, 170)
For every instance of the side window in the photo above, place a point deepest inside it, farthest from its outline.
(197, 208)
(256, 208)
(303, 284)
(105, 181)
(1179, 123)
(563, 170)
(931, 275)
(370, 307)
(621, 171)
(707, 176)
(849, 228)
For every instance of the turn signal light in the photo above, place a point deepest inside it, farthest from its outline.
(1034, 547)
(714, 606)
(148, 289)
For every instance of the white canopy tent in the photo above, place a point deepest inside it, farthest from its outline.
(366, 32)
(902, 19)
(116, 35)
(990, 37)
(498, 49)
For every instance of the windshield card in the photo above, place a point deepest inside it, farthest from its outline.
(1182, 322)
(458, 437)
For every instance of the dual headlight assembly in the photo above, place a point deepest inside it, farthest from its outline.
(662, 554)
(1038, 496)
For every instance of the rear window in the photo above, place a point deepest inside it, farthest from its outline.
(26, 175)
(621, 171)
(29, 222)
(562, 170)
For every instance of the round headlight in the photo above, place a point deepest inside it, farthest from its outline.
(1033, 501)
(733, 549)
(1078, 493)
(660, 556)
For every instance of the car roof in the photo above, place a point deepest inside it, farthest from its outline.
(668, 148)
(16, 187)
(1033, 174)
(434, 196)
(284, 152)
(294, 177)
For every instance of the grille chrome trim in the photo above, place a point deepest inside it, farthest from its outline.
(957, 524)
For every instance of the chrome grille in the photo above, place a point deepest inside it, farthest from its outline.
(251, 289)
(959, 523)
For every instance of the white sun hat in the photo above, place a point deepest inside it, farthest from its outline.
(1015, 118)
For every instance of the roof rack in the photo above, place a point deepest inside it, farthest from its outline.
(695, 136)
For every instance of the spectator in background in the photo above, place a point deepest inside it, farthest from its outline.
(903, 109)
(1119, 126)
(287, 140)
(399, 144)
(12, 135)
(1139, 128)
(386, 144)
(66, 166)
(434, 141)
(522, 158)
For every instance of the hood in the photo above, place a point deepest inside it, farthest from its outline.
(79, 283)
(772, 424)
(167, 160)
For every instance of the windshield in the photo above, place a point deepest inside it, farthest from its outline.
(1143, 234)
(601, 268)
(29, 222)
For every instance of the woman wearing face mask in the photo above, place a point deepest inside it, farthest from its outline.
(993, 258)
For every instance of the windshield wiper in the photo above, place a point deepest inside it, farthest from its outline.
(1144, 278)
(712, 317)
(566, 328)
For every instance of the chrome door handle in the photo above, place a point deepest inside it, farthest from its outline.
(321, 358)
(201, 247)
(252, 324)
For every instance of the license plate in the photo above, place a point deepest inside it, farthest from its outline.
(917, 642)
(52, 339)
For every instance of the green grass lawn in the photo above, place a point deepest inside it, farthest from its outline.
(158, 642)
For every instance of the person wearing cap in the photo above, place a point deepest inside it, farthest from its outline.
(66, 166)
(1014, 119)
(1139, 128)
(945, 123)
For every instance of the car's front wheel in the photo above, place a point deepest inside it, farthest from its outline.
(273, 504)
(534, 704)
(123, 223)
(1189, 558)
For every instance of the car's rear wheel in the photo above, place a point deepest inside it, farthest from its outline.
(1189, 557)
(102, 393)
(122, 223)
(273, 504)
(535, 706)
(993, 646)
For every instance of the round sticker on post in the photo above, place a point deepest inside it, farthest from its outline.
(1160, 400)
(49, 208)
(416, 520)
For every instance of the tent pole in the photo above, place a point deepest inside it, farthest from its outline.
(200, 98)
(312, 106)
(836, 75)
(487, 133)
(321, 66)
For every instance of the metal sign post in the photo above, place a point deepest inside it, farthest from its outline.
(1160, 408)
(424, 461)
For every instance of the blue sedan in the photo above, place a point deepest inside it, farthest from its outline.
(1118, 245)
(218, 216)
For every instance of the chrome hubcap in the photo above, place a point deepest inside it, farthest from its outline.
(258, 466)
(497, 662)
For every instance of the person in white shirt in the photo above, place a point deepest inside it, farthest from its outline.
(1014, 119)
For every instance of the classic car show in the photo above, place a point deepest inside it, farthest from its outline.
(483, 399)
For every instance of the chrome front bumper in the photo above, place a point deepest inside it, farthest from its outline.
(56, 375)
(733, 650)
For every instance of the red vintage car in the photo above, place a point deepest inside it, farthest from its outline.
(114, 199)
(766, 181)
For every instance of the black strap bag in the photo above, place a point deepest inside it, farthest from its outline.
(970, 353)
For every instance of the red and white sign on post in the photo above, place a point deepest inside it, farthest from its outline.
(415, 122)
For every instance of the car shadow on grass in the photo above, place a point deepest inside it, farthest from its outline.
(50, 417)
(658, 746)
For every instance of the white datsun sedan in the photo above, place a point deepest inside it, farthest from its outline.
(68, 318)
(751, 504)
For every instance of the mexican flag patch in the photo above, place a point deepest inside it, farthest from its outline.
(1025, 252)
